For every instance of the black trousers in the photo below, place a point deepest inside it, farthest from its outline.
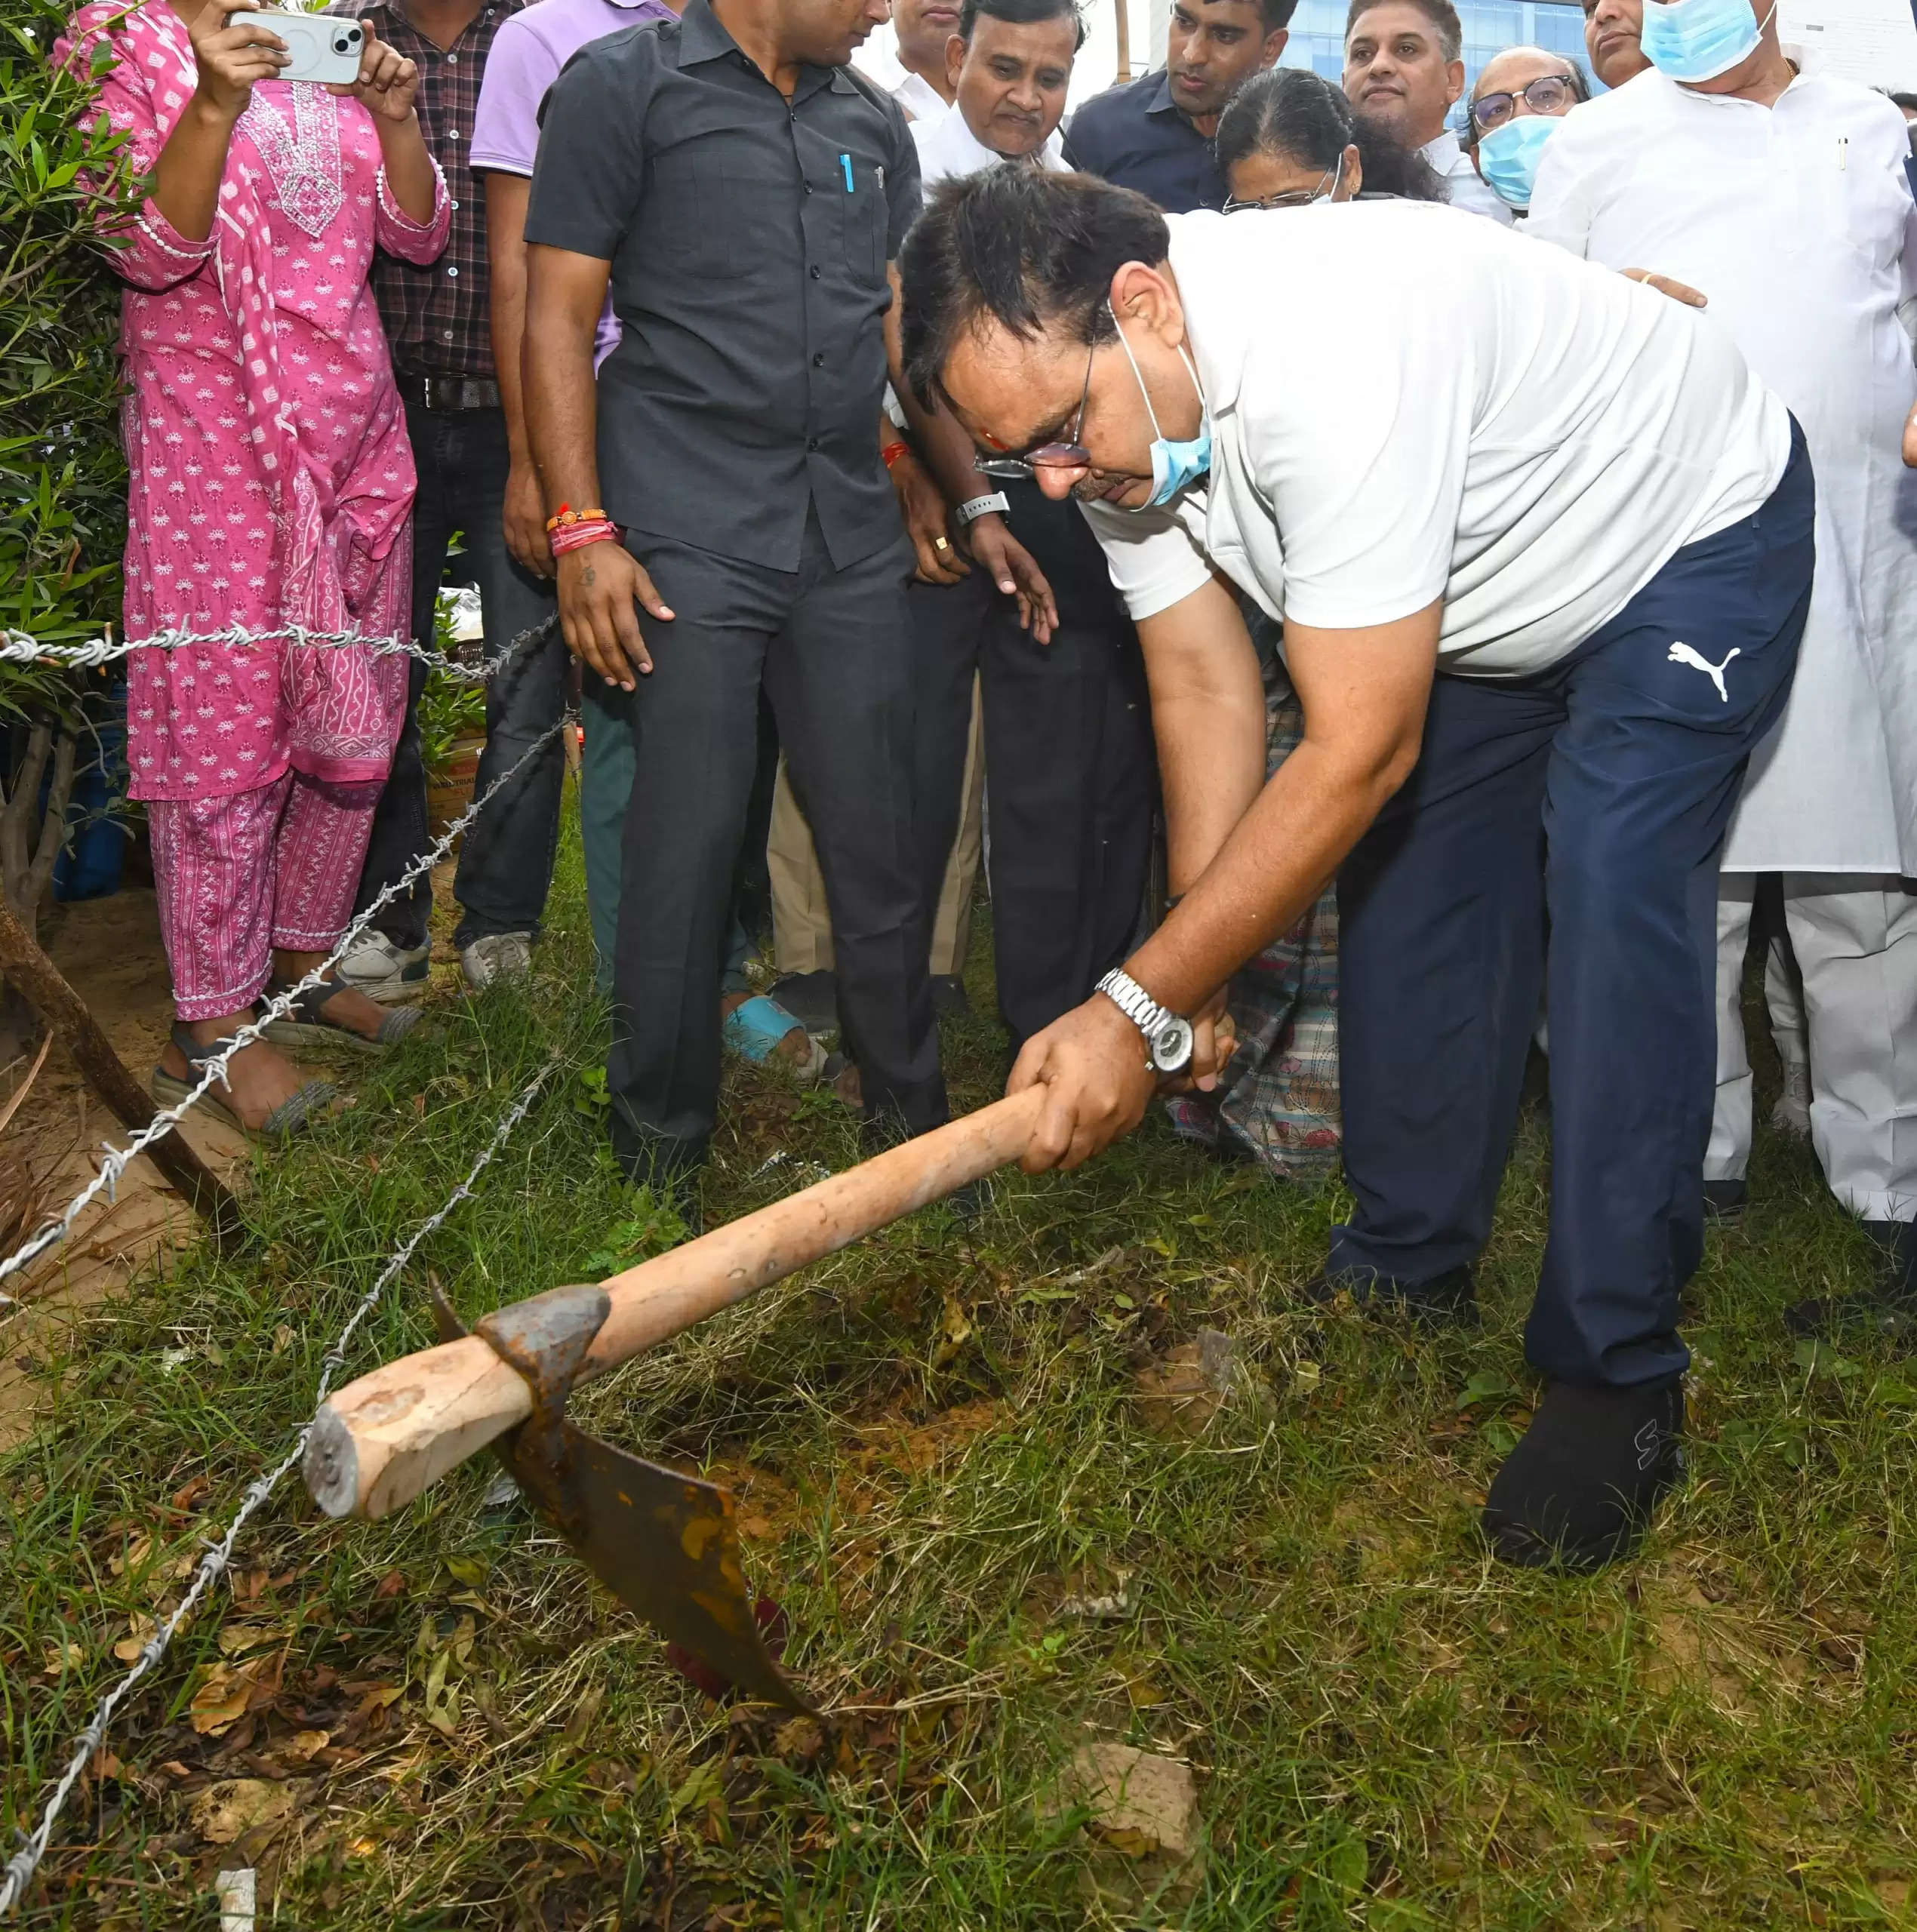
(1070, 773)
(505, 864)
(829, 648)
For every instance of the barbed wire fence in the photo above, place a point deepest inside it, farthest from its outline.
(22, 1867)
(115, 1161)
(16, 647)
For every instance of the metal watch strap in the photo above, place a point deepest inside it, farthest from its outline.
(1135, 1003)
(969, 511)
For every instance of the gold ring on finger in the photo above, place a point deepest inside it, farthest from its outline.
(939, 543)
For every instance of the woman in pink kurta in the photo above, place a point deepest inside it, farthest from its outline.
(272, 488)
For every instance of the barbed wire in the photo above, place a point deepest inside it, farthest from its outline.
(21, 1867)
(118, 1159)
(18, 647)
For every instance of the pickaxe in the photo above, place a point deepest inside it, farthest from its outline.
(665, 1544)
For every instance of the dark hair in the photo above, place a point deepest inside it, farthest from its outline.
(1441, 14)
(1276, 14)
(1908, 102)
(1026, 248)
(1021, 13)
(1294, 112)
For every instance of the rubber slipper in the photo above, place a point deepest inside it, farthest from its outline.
(758, 1030)
(305, 1024)
(294, 1114)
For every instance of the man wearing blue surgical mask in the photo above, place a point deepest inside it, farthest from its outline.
(1780, 196)
(1520, 101)
(1500, 500)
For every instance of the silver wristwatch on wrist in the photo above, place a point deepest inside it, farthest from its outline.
(1168, 1035)
(969, 511)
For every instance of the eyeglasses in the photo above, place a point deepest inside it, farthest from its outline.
(1046, 456)
(1293, 198)
(1549, 94)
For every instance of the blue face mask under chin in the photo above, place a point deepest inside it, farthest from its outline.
(1698, 40)
(1174, 465)
(1509, 155)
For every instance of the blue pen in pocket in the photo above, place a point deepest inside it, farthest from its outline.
(845, 162)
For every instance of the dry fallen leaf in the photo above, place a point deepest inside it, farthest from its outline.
(238, 1638)
(234, 1806)
(283, 1339)
(140, 1627)
(304, 1746)
(62, 1657)
(133, 1556)
(220, 1701)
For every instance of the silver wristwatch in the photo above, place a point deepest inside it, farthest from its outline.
(1168, 1035)
(969, 511)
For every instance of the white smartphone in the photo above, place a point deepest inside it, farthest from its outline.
(324, 47)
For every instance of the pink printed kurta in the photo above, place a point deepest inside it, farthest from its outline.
(272, 480)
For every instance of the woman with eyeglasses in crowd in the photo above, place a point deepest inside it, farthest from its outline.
(1290, 138)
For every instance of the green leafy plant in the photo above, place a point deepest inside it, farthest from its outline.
(63, 176)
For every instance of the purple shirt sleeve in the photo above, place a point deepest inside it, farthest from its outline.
(519, 69)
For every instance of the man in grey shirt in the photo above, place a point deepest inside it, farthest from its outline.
(742, 192)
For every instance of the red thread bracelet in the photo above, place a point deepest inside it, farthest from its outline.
(577, 535)
(890, 454)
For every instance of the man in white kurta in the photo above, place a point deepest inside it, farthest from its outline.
(1781, 198)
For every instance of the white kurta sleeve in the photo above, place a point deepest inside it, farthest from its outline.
(1156, 557)
(1907, 267)
(1561, 208)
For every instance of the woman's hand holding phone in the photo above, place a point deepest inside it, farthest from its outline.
(230, 56)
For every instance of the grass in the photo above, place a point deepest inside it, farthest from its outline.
(439, 1721)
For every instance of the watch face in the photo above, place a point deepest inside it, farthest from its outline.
(1171, 1047)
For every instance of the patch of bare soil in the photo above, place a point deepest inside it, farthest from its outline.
(109, 949)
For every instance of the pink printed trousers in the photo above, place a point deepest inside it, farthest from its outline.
(237, 875)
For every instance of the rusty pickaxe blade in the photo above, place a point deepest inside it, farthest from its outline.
(665, 1544)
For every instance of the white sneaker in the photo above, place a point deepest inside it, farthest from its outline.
(374, 965)
(1792, 1114)
(497, 956)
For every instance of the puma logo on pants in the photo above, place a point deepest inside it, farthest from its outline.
(1682, 653)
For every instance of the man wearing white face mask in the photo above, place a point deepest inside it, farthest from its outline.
(1779, 197)
(1500, 501)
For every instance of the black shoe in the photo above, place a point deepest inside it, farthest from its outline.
(1450, 1301)
(1888, 1306)
(811, 998)
(1578, 1491)
(950, 1000)
(1724, 1202)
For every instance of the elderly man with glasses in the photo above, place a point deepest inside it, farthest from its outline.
(1521, 98)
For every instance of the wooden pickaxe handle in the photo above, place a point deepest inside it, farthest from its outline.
(378, 1443)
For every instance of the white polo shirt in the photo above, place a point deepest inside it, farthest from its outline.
(1406, 407)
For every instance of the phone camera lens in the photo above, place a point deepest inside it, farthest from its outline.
(345, 43)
